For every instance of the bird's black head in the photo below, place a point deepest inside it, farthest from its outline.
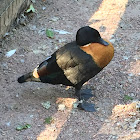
(86, 35)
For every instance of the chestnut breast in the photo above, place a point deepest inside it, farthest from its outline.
(101, 54)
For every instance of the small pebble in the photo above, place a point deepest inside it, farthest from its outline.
(102, 28)
(112, 36)
(41, 32)
(98, 109)
(118, 124)
(133, 125)
(3, 133)
(61, 107)
(130, 74)
(113, 132)
(125, 57)
(125, 126)
(6, 34)
(102, 119)
(54, 19)
(136, 122)
(136, 57)
(8, 123)
(17, 95)
(5, 65)
(62, 40)
(56, 47)
(43, 8)
(14, 30)
(75, 105)
(31, 116)
(22, 60)
(112, 40)
(127, 120)
(46, 104)
(132, 113)
(133, 130)
(113, 137)
(33, 27)
(132, 94)
(107, 121)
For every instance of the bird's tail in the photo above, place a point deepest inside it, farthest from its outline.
(31, 76)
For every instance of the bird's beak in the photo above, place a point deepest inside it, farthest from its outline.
(103, 42)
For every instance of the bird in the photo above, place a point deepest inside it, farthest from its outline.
(74, 64)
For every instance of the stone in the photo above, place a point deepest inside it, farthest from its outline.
(61, 107)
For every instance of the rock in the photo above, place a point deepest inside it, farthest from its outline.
(75, 105)
(10, 53)
(102, 28)
(37, 51)
(6, 34)
(136, 57)
(17, 95)
(43, 8)
(133, 130)
(61, 107)
(56, 47)
(4, 65)
(41, 32)
(125, 126)
(132, 113)
(23, 21)
(54, 19)
(134, 124)
(62, 40)
(31, 116)
(46, 104)
(33, 27)
(8, 124)
(98, 109)
(102, 119)
(14, 30)
(62, 32)
(127, 120)
(113, 132)
(22, 60)
(118, 124)
(132, 94)
(112, 40)
(114, 137)
(130, 74)
(2, 133)
(125, 57)
(112, 36)
(107, 121)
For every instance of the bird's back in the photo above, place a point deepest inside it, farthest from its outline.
(77, 65)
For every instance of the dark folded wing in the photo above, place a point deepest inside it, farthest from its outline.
(77, 65)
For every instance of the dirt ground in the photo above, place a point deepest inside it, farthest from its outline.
(116, 117)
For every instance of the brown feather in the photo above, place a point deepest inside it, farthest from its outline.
(101, 54)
